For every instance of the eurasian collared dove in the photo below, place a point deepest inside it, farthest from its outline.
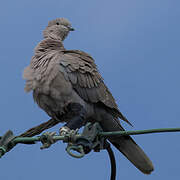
(68, 87)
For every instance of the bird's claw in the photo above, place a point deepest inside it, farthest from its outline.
(69, 134)
(64, 131)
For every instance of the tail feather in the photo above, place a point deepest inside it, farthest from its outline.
(127, 146)
(134, 153)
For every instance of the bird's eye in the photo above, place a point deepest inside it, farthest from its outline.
(57, 23)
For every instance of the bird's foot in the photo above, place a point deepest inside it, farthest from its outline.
(63, 131)
(69, 134)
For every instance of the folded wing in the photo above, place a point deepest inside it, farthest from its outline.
(79, 68)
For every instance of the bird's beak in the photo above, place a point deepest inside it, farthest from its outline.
(71, 29)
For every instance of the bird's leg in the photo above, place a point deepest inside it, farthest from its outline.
(76, 118)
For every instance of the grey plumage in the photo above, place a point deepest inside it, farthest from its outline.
(58, 77)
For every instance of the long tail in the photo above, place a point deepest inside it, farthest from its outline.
(127, 146)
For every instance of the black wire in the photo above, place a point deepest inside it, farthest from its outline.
(112, 160)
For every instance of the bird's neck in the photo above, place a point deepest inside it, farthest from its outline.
(49, 44)
(53, 36)
(44, 52)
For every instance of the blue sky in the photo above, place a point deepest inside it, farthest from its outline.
(135, 44)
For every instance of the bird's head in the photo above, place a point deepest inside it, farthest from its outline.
(58, 29)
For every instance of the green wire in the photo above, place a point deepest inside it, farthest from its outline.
(138, 132)
(104, 134)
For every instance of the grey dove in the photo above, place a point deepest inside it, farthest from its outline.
(66, 84)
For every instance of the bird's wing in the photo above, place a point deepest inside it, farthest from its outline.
(81, 71)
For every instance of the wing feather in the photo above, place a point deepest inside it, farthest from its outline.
(87, 81)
